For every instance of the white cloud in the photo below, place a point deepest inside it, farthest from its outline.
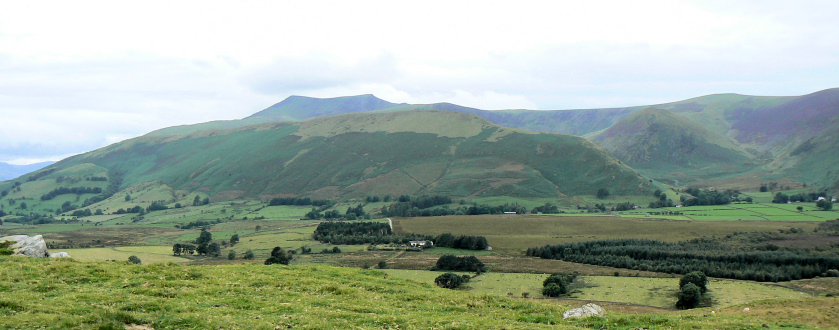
(110, 70)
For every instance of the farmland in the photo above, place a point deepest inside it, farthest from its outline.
(261, 227)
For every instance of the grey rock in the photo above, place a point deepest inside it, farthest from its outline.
(28, 246)
(585, 311)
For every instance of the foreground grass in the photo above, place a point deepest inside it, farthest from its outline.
(65, 293)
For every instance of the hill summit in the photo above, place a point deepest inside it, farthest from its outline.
(296, 108)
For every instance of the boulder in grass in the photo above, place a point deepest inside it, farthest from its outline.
(26, 246)
(585, 311)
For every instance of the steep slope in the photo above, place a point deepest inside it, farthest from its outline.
(356, 155)
(668, 146)
(791, 122)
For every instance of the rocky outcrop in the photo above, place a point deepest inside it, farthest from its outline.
(28, 246)
(585, 311)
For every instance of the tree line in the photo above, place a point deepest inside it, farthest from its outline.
(352, 233)
(706, 255)
(67, 190)
(353, 213)
(298, 201)
(402, 209)
(707, 197)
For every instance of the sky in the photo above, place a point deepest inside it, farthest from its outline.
(80, 75)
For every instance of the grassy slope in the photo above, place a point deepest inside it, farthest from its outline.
(362, 154)
(70, 294)
(668, 146)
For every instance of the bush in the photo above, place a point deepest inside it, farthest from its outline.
(231, 255)
(558, 284)
(697, 278)
(134, 260)
(249, 255)
(689, 296)
(382, 264)
(833, 273)
(467, 264)
(449, 281)
(553, 290)
(278, 256)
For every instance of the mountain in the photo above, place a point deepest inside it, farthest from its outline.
(345, 156)
(669, 147)
(9, 171)
(297, 108)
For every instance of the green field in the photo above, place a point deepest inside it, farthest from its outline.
(751, 212)
(147, 254)
(656, 292)
(662, 292)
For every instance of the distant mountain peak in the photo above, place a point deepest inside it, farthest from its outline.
(295, 107)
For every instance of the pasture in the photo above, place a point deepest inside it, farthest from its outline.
(742, 211)
(656, 292)
(148, 254)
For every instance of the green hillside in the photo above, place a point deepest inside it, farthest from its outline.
(355, 155)
(668, 146)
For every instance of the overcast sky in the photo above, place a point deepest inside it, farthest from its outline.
(76, 76)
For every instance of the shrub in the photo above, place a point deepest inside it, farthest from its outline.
(689, 296)
(134, 260)
(467, 264)
(249, 255)
(449, 280)
(833, 273)
(552, 290)
(558, 284)
(278, 256)
(382, 264)
(697, 278)
(231, 255)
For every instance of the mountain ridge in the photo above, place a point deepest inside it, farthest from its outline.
(423, 152)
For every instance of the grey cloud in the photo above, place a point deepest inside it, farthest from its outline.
(287, 75)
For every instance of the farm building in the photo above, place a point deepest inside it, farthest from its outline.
(422, 244)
